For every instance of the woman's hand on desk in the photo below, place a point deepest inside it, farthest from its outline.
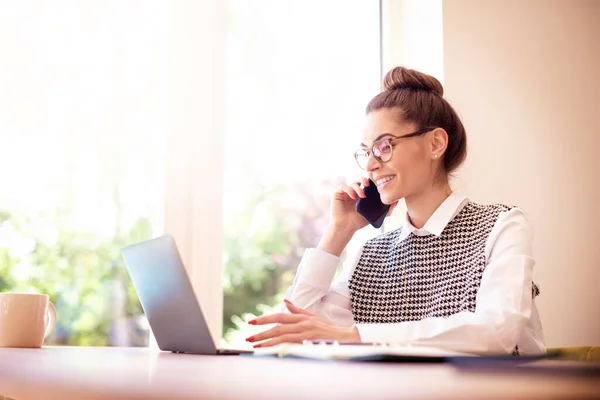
(298, 326)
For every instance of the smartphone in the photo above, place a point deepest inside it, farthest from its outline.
(371, 207)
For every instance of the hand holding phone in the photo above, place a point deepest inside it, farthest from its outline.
(371, 207)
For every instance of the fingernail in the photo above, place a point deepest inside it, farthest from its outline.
(257, 345)
(252, 322)
(287, 301)
(250, 339)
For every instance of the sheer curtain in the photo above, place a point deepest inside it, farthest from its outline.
(84, 123)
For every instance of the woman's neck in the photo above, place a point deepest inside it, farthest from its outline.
(421, 206)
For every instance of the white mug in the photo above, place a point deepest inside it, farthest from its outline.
(26, 319)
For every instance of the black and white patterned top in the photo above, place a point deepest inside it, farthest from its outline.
(423, 276)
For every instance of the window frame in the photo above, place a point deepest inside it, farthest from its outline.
(193, 179)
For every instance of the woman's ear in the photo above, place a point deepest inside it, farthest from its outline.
(439, 143)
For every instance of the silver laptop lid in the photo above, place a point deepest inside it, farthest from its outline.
(167, 296)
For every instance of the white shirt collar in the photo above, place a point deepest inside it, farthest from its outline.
(438, 220)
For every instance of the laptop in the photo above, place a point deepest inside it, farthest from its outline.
(168, 299)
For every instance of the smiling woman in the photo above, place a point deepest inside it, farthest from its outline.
(457, 275)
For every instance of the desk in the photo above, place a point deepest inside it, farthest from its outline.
(87, 373)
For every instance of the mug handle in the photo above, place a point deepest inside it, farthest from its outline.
(51, 319)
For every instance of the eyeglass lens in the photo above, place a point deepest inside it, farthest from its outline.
(382, 151)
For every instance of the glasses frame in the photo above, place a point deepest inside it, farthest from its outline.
(371, 150)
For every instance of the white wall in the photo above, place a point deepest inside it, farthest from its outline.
(524, 76)
(412, 35)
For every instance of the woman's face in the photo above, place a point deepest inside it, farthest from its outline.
(411, 167)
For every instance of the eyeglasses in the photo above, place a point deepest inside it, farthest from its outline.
(382, 149)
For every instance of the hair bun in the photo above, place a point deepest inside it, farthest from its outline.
(404, 78)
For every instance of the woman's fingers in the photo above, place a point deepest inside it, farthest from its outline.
(280, 318)
(349, 191)
(276, 331)
(287, 338)
(355, 189)
(358, 189)
(296, 310)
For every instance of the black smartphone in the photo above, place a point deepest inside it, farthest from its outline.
(371, 207)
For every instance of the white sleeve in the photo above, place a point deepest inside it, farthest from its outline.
(312, 288)
(503, 302)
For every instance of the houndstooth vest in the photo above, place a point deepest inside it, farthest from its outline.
(423, 276)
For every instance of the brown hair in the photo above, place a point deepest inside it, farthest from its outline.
(418, 98)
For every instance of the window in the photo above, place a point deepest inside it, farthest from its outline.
(299, 75)
(110, 133)
(82, 132)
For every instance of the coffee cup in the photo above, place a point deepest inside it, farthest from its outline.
(26, 319)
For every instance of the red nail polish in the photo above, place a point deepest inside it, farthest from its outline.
(287, 301)
(250, 339)
(252, 322)
(256, 346)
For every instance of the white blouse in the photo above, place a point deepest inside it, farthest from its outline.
(505, 313)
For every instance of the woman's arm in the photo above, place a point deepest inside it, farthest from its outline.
(321, 311)
(314, 291)
(311, 287)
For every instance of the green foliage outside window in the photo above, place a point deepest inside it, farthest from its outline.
(83, 274)
(264, 243)
(86, 279)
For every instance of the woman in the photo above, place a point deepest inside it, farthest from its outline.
(457, 275)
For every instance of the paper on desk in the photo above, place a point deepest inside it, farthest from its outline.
(346, 352)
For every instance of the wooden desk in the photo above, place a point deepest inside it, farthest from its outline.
(133, 373)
